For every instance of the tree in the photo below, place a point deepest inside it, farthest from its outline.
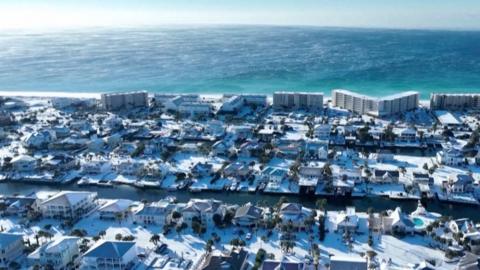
(209, 245)
(102, 233)
(217, 219)
(176, 215)
(321, 204)
(155, 239)
(78, 233)
(118, 237)
(196, 227)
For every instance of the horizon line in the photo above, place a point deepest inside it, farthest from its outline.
(226, 25)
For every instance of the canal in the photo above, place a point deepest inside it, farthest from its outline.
(361, 204)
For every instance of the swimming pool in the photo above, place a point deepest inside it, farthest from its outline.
(418, 222)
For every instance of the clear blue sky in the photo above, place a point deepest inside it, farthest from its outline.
(447, 14)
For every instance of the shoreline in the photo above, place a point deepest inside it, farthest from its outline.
(89, 95)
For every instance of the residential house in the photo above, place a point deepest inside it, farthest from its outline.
(60, 254)
(68, 204)
(115, 209)
(270, 264)
(346, 220)
(128, 167)
(348, 262)
(248, 215)
(203, 210)
(397, 222)
(20, 206)
(450, 157)
(236, 169)
(295, 214)
(158, 213)
(110, 255)
(274, 176)
(459, 183)
(39, 139)
(24, 163)
(407, 135)
(316, 151)
(235, 259)
(386, 176)
(322, 132)
(202, 169)
(11, 248)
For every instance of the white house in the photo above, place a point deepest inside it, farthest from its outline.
(247, 215)
(68, 204)
(110, 255)
(450, 157)
(60, 254)
(158, 213)
(295, 214)
(39, 139)
(204, 210)
(114, 209)
(346, 220)
(24, 163)
(11, 248)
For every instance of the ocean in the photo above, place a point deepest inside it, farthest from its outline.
(240, 59)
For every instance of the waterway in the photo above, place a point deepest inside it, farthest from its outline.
(361, 204)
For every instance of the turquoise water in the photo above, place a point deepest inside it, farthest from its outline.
(418, 222)
(240, 59)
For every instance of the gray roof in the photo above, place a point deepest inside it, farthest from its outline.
(248, 210)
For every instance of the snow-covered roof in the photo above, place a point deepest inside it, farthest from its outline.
(60, 244)
(68, 197)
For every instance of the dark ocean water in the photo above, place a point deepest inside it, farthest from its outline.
(240, 59)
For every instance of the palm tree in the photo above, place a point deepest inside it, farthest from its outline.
(155, 239)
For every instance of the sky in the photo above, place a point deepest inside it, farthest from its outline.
(416, 14)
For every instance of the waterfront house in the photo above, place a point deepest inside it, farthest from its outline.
(111, 255)
(60, 254)
(294, 214)
(248, 215)
(420, 178)
(407, 135)
(20, 206)
(310, 172)
(61, 163)
(39, 139)
(203, 210)
(93, 166)
(348, 262)
(271, 264)
(451, 157)
(235, 259)
(346, 220)
(459, 183)
(128, 166)
(397, 222)
(68, 204)
(24, 163)
(386, 176)
(158, 213)
(236, 169)
(115, 209)
(11, 248)
(201, 169)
